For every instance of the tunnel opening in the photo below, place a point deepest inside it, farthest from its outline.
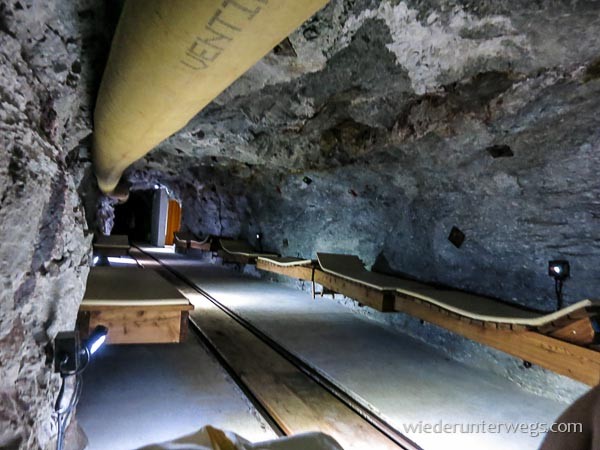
(133, 218)
(148, 216)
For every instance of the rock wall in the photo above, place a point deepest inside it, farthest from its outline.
(378, 128)
(48, 70)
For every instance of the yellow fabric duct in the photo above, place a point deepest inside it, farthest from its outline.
(169, 59)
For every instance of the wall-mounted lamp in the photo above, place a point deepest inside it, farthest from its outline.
(70, 360)
(559, 270)
(259, 241)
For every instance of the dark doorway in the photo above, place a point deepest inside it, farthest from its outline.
(134, 217)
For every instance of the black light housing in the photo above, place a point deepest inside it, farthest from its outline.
(559, 269)
(67, 352)
(70, 359)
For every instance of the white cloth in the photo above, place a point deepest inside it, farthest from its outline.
(209, 438)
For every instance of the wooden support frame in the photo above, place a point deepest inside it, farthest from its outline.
(565, 348)
(110, 251)
(304, 272)
(236, 259)
(114, 245)
(324, 291)
(156, 324)
(574, 361)
(184, 245)
(580, 332)
(380, 300)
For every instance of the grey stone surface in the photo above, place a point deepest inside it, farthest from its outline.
(47, 71)
(394, 123)
(370, 130)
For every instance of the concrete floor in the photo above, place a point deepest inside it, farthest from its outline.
(405, 380)
(135, 395)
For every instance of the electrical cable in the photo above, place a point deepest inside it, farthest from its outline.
(558, 287)
(63, 414)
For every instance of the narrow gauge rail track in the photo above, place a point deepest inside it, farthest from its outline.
(380, 433)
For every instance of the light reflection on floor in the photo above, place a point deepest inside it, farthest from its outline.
(406, 380)
(136, 395)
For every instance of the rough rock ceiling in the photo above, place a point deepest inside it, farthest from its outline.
(404, 69)
(408, 119)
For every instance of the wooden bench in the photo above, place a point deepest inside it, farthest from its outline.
(564, 341)
(302, 269)
(113, 245)
(236, 251)
(184, 241)
(137, 305)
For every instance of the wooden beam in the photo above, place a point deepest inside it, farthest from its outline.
(580, 332)
(299, 272)
(136, 326)
(380, 300)
(156, 307)
(237, 259)
(185, 245)
(556, 352)
(111, 251)
(579, 363)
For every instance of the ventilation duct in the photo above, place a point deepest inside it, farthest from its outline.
(169, 59)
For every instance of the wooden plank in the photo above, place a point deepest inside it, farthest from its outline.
(380, 300)
(83, 324)
(112, 252)
(138, 326)
(237, 259)
(184, 245)
(580, 332)
(202, 246)
(164, 308)
(579, 363)
(183, 325)
(299, 272)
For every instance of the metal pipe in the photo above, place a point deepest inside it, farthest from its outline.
(169, 59)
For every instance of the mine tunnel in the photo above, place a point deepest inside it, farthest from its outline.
(316, 225)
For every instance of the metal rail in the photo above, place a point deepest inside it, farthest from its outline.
(340, 394)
